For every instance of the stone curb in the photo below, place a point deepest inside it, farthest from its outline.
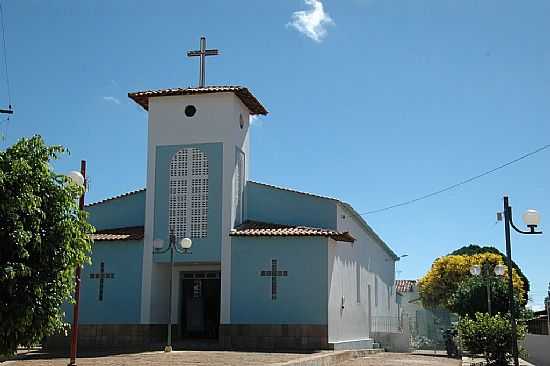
(329, 358)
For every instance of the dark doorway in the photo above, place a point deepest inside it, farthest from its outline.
(200, 316)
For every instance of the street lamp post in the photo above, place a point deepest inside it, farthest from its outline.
(485, 271)
(531, 219)
(182, 246)
(79, 178)
(396, 263)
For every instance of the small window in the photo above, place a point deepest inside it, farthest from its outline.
(190, 110)
(241, 121)
(375, 291)
(358, 280)
(389, 298)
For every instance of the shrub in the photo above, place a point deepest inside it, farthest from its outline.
(490, 336)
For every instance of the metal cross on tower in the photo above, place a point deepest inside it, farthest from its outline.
(202, 53)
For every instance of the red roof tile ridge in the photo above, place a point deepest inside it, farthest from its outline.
(257, 228)
(119, 234)
(242, 92)
(191, 88)
(405, 285)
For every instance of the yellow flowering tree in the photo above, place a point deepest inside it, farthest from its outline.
(443, 279)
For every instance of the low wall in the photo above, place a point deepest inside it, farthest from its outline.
(393, 342)
(268, 337)
(105, 336)
(538, 349)
(272, 337)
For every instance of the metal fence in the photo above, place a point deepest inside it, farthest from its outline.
(537, 326)
(386, 324)
(426, 329)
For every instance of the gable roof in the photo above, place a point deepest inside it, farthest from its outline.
(249, 100)
(116, 197)
(256, 228)
(346, 206)
(119, 234)
(403, 286)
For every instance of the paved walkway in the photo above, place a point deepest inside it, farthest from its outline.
(219, 358)
(402, 359)
(180, 358)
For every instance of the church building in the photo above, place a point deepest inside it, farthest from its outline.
(268, 267)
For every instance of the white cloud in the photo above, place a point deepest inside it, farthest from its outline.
(111, 99)
(312, 22)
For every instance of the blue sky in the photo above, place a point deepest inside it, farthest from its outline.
(373, 102)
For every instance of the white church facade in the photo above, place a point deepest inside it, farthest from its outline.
(269, 267)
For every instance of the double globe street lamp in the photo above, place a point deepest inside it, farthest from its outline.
(485, 271)
(181, 246)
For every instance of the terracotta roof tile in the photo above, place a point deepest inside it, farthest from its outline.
(255, 228)
(255, 107)
(120, 234)
(403, 286)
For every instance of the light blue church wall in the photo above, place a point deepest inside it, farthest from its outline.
(125, 211)
(271, 204)
(204, 249)
(121, 294)
(301, 295)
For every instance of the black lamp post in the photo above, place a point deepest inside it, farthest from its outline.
(79, 178)
(182, 246)
(531, 218)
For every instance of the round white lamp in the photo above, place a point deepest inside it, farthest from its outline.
(499, 269)
(475, 270)
(76, 178)
(531, 217)
(185, 244)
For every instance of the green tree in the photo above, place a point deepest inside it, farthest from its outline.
(43, 238)
(471, 297)
(473, 249)
(447, 273)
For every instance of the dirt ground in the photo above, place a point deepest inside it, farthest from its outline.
(401, 359)
(219, 358)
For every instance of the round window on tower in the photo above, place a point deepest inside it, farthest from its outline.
(190, 110)
(241, 121)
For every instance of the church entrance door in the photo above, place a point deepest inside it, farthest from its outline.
(200, 304)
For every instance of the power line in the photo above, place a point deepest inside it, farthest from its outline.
(448, 188)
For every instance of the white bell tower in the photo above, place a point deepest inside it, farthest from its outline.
(197, 168)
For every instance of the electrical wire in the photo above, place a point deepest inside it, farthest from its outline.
(453, 186)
